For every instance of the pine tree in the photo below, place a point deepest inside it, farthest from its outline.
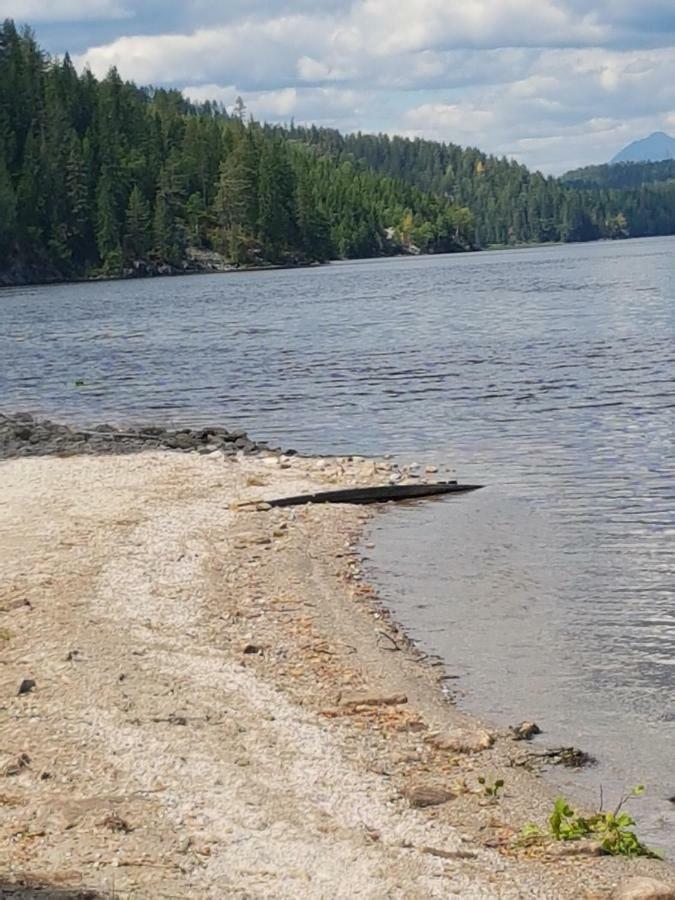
(107, 222)
(138, 236)
(313, 225)
(7, 212)
(276, 207)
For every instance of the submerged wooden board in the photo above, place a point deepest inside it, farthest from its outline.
(384, 493)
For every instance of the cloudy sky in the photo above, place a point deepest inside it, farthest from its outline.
(554, 83)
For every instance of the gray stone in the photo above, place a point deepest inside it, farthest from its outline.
(421, 796)
(26, 686)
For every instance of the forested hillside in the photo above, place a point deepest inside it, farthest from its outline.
(621, 175)
(106, 177)
(510, 204)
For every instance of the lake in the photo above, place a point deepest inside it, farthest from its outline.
(546, 374)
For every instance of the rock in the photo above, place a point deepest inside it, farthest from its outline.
(564, 849)
(466, 742)
(252, 650)
(26, 686)
(114, 822)
(179, 441)
(570, 757)
(449, 854)
(421, 796)
(249, 538)
(13, 769)
(644, 889)
(431, 470)
(370, 699)
(525, 731)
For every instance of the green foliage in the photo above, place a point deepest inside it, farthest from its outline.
(491, 789)
(509, 204)
(96, 175)
(614, 830)
(621, 175)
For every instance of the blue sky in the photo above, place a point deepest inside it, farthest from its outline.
(553, 83)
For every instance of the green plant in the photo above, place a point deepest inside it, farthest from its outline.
(491, 790)
(613, 830)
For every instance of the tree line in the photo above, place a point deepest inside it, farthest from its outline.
(99, 175)
(621, 174)
(510, 204)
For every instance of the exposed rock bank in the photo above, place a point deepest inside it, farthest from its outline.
(22, 434)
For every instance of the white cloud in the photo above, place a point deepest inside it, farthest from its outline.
(302, 104)
(62, 10)
(449, 118)
(540, 79)
(321, 46)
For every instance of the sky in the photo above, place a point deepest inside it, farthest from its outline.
(553, 83)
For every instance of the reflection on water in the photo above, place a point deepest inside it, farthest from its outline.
(546, 373)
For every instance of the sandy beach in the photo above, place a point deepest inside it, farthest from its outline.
(203, 698)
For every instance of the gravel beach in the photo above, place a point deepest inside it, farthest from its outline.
(203, 698)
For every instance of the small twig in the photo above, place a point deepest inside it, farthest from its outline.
(396, 646)
(144, 863)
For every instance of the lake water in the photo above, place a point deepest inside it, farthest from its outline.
(545, 374)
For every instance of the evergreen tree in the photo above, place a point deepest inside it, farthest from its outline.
(138, 236)
(7, 212)
(95, 172)
(107, 222)
(276, 204)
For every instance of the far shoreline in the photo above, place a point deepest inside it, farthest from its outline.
(228, 269)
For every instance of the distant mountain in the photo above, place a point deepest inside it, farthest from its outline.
(656, 147)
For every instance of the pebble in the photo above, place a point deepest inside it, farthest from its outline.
(422, 796)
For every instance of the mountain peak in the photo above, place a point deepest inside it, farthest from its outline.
(655, 147)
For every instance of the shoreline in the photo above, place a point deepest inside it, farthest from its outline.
(229, 269)
(303, 767)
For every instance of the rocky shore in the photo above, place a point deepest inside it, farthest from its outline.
(201, 696)
(22, 434)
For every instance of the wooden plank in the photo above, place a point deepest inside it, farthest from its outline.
(384, 493)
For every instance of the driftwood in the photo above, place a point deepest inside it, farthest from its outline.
(384, 493)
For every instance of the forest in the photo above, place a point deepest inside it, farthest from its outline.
(101, 177)
(510, 204)
(621, 175)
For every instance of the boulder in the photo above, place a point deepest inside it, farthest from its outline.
(644, 889)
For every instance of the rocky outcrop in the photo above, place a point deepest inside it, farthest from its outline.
(21, 434)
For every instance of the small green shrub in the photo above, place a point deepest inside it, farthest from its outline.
(491, 790)
(614, 830)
